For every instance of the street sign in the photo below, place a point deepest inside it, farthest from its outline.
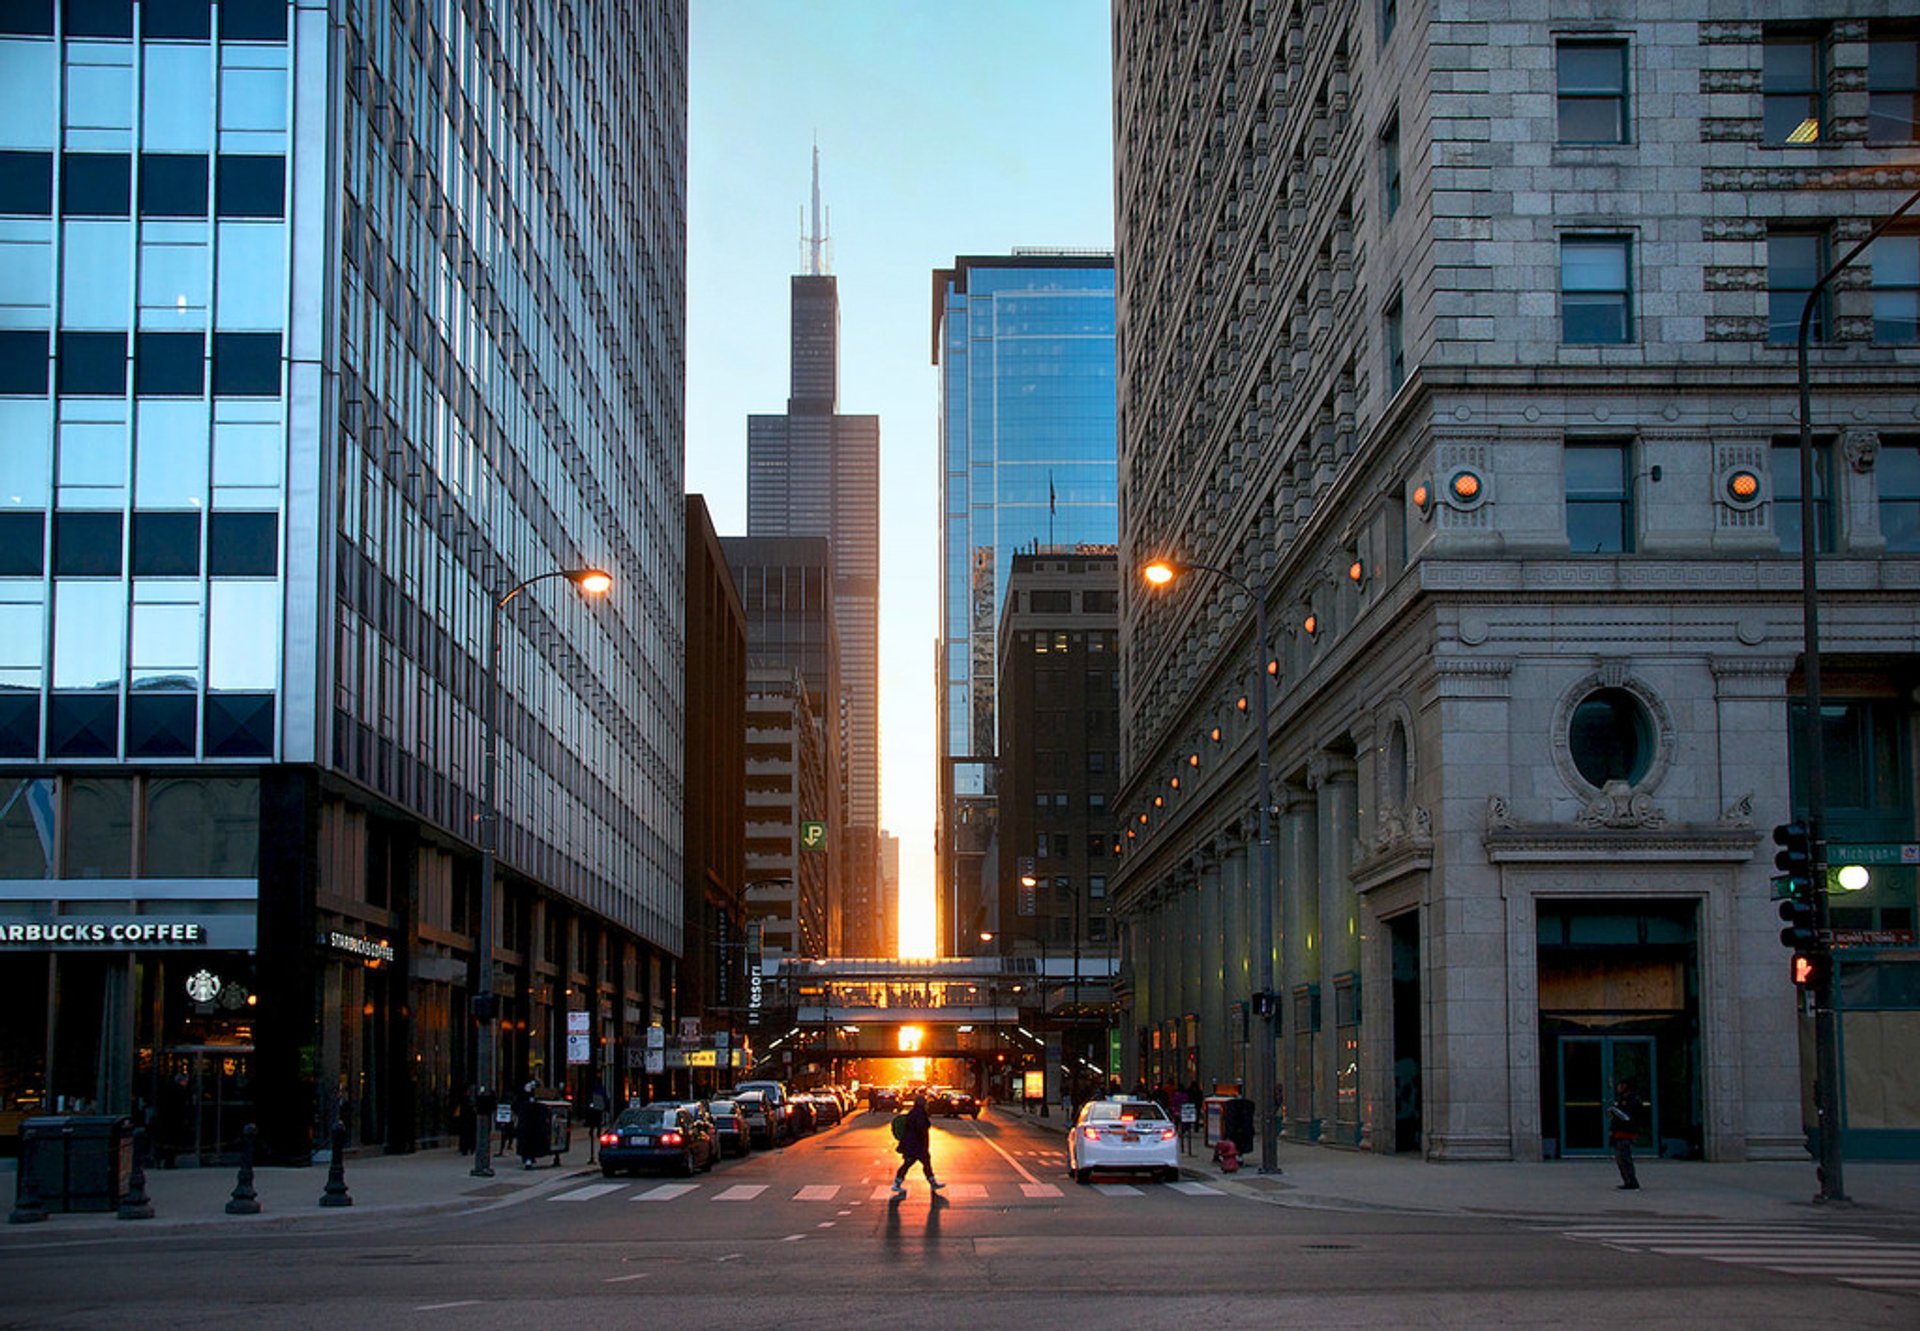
(689, 1032)
(579, 1038)
(656, 1059)
(813, 836)
(1870, 937)
(656, 1037)
(1874, 852)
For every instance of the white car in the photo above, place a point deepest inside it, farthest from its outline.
(1134, 1136)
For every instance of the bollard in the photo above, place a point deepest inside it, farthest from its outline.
(26, 1197)
(135, 1206)
(245, 1201)
(336, 1189)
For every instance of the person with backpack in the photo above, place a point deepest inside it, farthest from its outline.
(913, 1131)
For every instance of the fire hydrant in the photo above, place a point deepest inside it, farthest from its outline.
(1226, 1155)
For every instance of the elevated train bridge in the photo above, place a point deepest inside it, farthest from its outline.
(984, 1023)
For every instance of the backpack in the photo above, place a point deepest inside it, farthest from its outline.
(899, 1126)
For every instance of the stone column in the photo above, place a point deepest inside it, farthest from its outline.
(1236, 941)
(1333, 778)
(1209, 945)
(1298, 944)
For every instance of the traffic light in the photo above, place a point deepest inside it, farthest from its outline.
(1794, 860)
(1810, 969)
(1800, 933)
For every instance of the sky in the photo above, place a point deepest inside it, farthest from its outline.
(945, 128)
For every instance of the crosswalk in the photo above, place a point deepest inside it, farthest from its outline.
(1851, 1258)
(1009, 1191)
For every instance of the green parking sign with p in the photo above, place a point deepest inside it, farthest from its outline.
(813, 836)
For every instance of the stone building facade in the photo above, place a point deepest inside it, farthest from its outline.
(1470, 341)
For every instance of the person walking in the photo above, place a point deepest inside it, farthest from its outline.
(529, 1125)
(913, 1131)
(1623, 1118)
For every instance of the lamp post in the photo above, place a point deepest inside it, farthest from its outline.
(1161, 573)
(1826, 1033)
(593, 582)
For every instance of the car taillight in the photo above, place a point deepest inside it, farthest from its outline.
(609, 1139)
(1091, 1134)
(1166, 1134)
(669, 1139)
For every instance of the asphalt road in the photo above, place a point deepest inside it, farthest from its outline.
(805, 1237)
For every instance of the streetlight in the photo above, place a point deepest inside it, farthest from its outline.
(1826, 1032)
(592, 582)
(1162, 573)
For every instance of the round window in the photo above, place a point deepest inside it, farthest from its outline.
(1611, 738)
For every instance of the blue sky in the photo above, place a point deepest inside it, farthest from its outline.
(966, 127)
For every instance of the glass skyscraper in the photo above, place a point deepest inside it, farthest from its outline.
(320, 328)
(1025, 349)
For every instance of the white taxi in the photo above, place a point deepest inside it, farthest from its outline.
(1123, 1135)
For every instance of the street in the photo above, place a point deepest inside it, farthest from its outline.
(807, 1237)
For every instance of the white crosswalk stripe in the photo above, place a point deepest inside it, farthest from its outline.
(666, 1192)
(1850, 1258)
(587, 1193)
(1039, 1190)
(1116, 1190)
(741, 1192)
(1004, 1191)
(817, 1192)
(1196, 1190)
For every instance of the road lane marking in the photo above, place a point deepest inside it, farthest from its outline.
(817, 1192)
(741, 1192)
(1040, 1189)
(666, 1192)
(638, 1275)
(826, 1224)
(843, 1213)
(1018, 1168)
(436, 1307)
(1196, 1190)
(1117, 1190)
(587, 1193)
(969, 1192)
(793, 1238)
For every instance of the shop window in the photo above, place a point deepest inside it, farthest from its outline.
(93, 364)
(169, 364)
(86, 545)
(243, 545)
(22, 544)
(250, 185)
(26, 184)
(160, 725)
(83, 725)
(98, 18)
(19, 738)
(246, 364)
(96, 184)
(239, 725)
(253, 20)
(166, 545)
(178, 20)
(26, 810)
(1611, 738)
(173, 184)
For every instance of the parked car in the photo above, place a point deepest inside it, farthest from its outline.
(802, 1116)
(1123, 1136)
(825, 1106)
(664, 1136)
(767, 1125)
(729, 1127)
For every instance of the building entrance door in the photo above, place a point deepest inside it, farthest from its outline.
(1589, 1065)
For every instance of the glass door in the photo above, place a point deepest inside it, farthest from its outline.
(1589, 1067)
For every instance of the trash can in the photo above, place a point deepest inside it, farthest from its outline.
(559, 1114)
(79, 1162)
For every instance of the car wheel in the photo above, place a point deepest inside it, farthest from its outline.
(1083, 1177)
(686, 1165)
(608, 1171)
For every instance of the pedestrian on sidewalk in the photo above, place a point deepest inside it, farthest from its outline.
(530, 1126)
(1623, 1117)
(914, 1132)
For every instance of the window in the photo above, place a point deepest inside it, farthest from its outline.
(160, 725)
(98, 18)
(23, 363)
(1396, 344)
(1595, 293)
(86, 545)
(246, 364)
(1390, 164)
(96, 184)
(239, 725)
(1599, 511)
(169, 364)
(30, 18)
(1898, 473)
(1611, 737)
(83, 725)
(253, 20)
(1593, 92)
(1097, 887)
(1389, 15)
(1795, 260)
(173, 184)
(26, 184)
(248, 185)
(93, 364)
(1893, 87)
(1787, 506)
(1895, 257)
(1794, 82)
(187, 20)
(22, 541)
(166, 545)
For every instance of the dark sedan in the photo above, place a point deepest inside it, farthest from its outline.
(729, 1127)
(658, 1136)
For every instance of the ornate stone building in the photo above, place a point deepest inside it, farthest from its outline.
(1470, 342)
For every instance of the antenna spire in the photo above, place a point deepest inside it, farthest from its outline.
(815, 242)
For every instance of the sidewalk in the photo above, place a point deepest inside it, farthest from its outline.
(1324, 1178)
(382, 1187)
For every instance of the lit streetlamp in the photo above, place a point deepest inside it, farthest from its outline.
(591, 582)
(1163, 573)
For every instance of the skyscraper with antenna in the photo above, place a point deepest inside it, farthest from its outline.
(815, 472)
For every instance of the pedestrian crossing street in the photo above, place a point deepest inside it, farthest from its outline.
(1007, 1191)
(1858, 1259)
